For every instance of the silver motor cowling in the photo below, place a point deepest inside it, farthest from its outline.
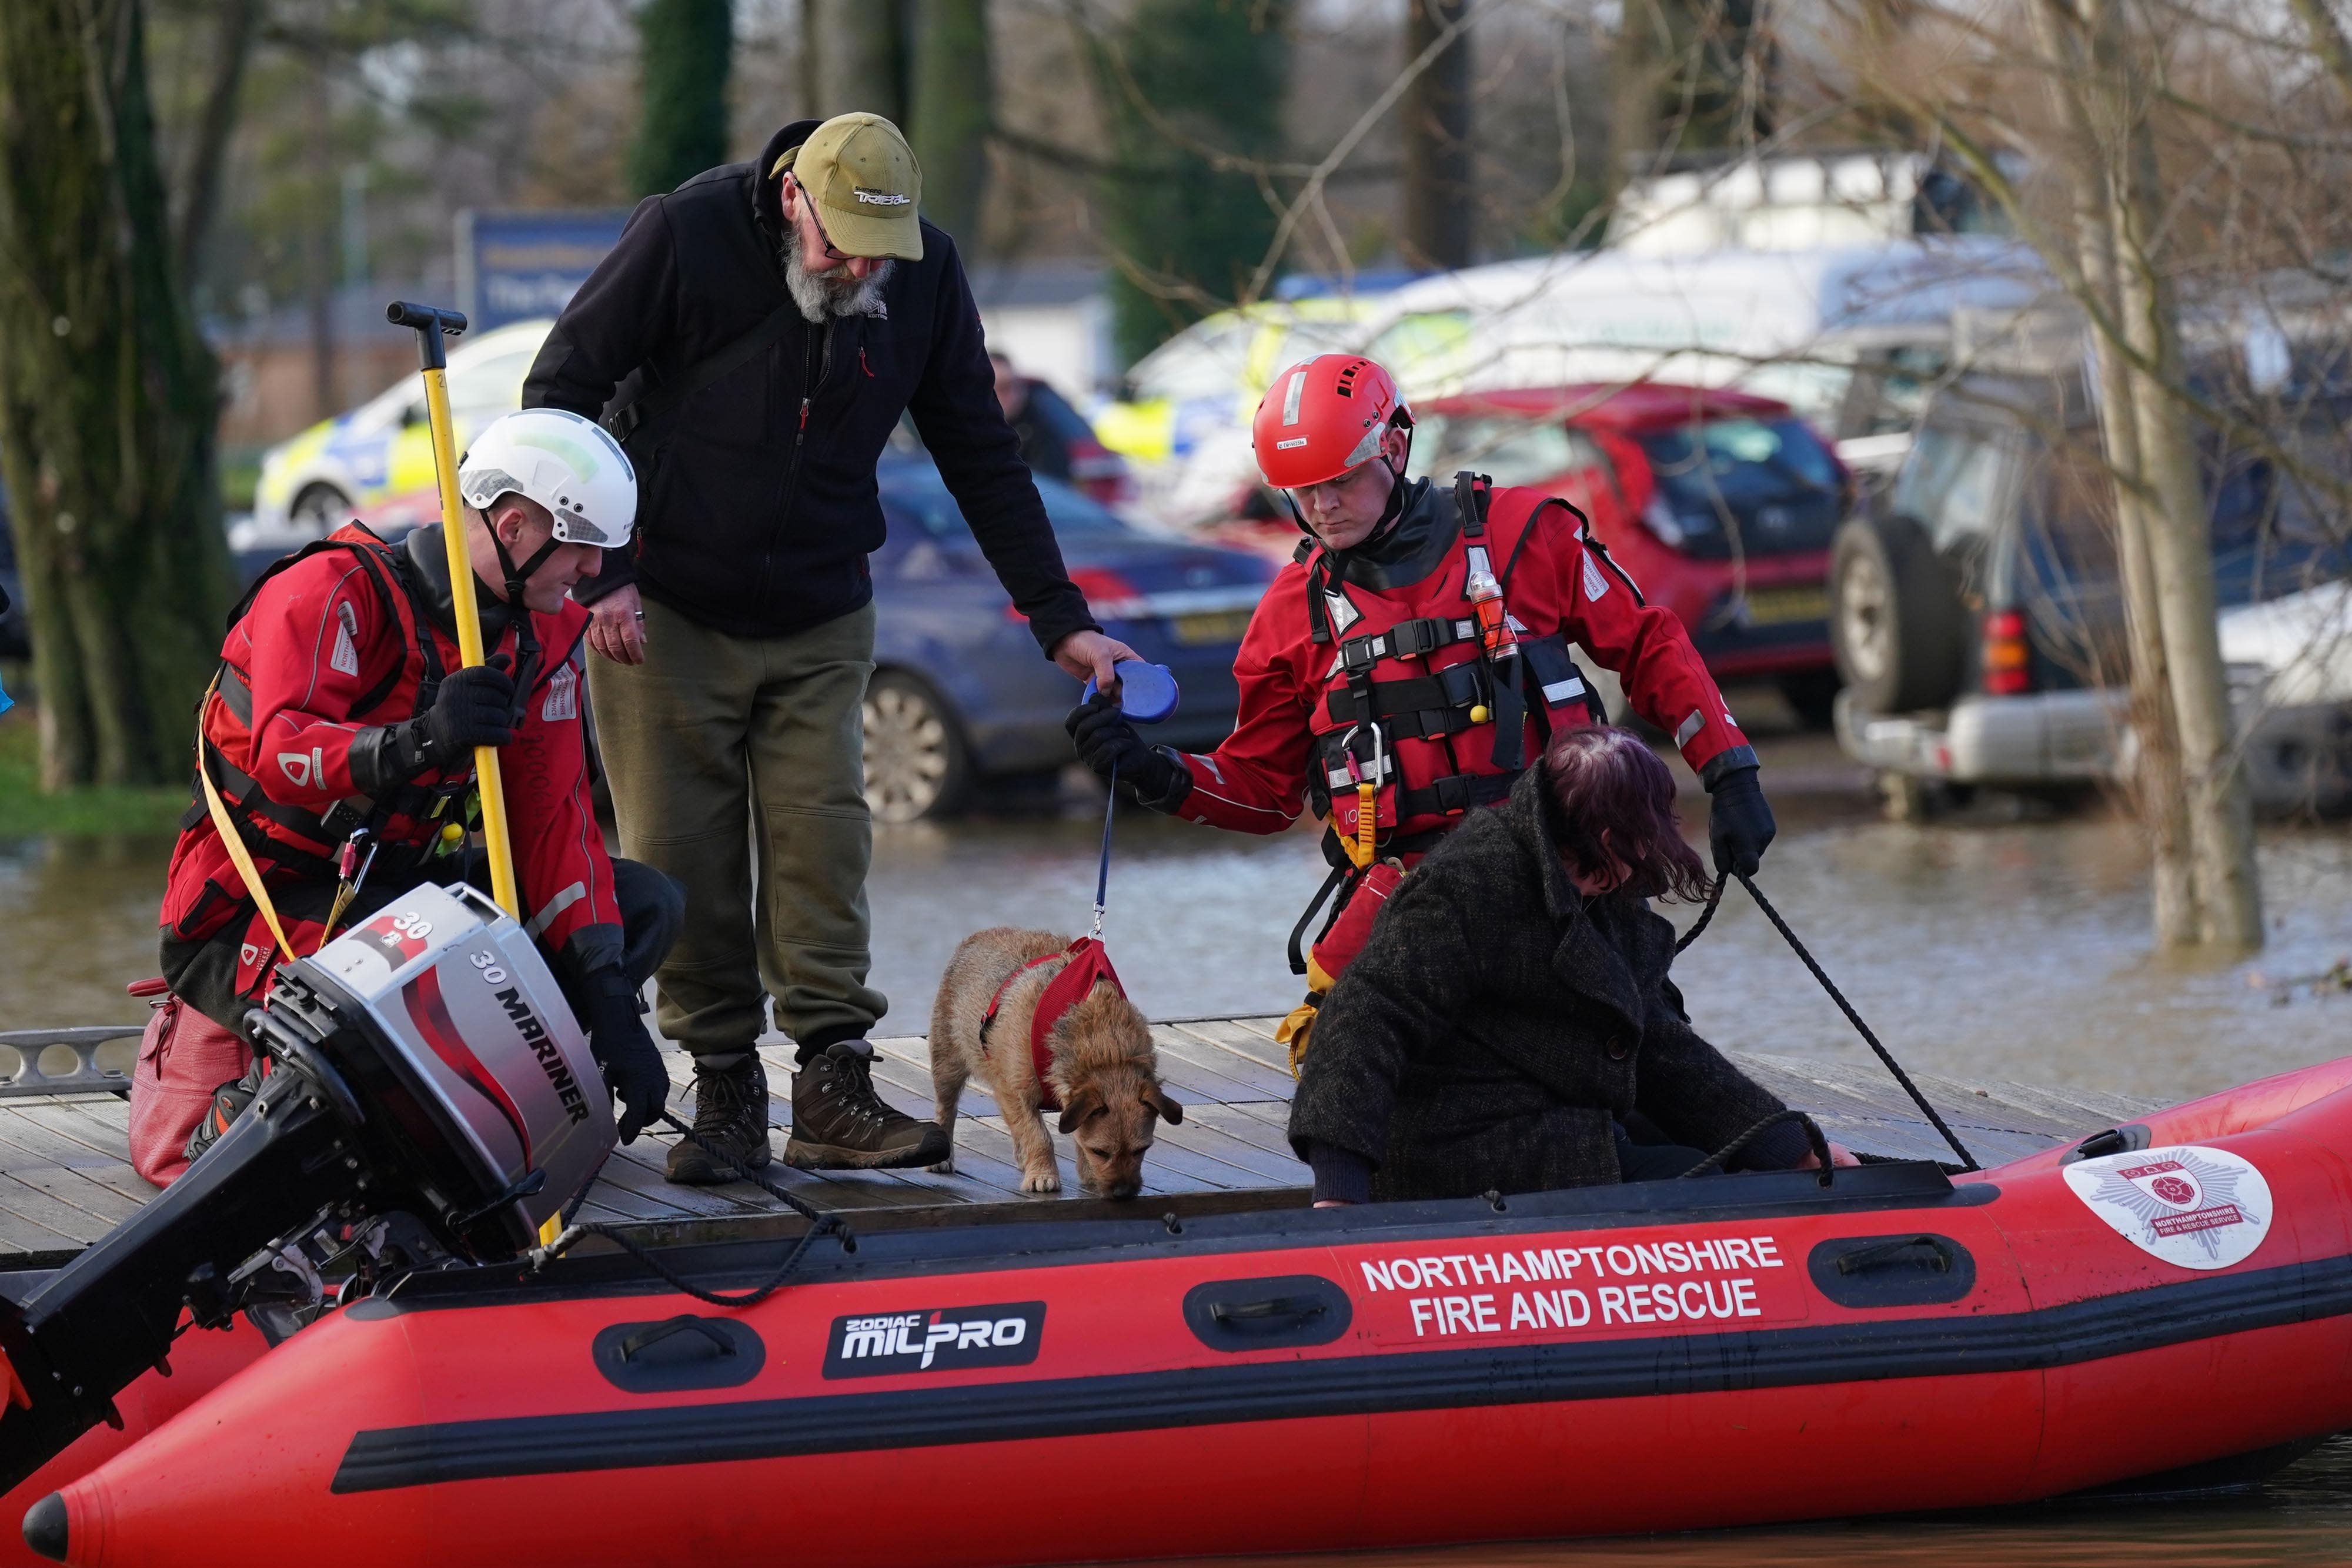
(471, 1032)
(429, 1099)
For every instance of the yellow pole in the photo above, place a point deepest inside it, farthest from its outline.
(469, 635)
(429, 323)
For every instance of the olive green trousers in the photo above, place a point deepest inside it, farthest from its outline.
(736, 765)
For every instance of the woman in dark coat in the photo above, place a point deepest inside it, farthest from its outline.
(1512, 1008)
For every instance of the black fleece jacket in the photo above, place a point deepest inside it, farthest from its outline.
(757, 501)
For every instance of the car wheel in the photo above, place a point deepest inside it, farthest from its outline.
(915, 762)
(319, 509)
(1896, 622)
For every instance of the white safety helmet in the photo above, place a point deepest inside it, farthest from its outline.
(567, 464)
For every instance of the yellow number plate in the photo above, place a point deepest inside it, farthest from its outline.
(1211, 626)
(1778, 606)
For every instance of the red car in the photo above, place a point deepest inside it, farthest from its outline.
(1720, 504)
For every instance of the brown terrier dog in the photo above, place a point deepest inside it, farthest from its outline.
(1103, 1068)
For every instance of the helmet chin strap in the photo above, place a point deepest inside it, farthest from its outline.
(1393, 510)
(518, 575)
(527, 649)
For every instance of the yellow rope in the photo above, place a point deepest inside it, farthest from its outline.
(231, 841)
(1293, 1031)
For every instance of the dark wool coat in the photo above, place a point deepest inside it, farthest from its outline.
(1497, 1020)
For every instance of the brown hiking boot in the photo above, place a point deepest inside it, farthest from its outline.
(730, 1114)
(840, 1123)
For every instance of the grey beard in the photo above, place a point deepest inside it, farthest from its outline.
(823, 293)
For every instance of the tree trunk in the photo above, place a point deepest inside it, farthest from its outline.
(2157, 783)
(2157, 794)
(107, 400)
(318, 238)
(1439, 219)
(685, 49)
(1638, 59)
(199, 191)
(1189, 90)
(2220, 816)
(810, 63)
(953, 111)
(1687, 76)
(862, 57)
(2328, 41)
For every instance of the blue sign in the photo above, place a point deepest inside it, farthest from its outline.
(514, 265)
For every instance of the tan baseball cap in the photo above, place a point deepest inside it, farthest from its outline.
(866, 185)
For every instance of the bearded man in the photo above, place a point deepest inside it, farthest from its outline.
(755, 339)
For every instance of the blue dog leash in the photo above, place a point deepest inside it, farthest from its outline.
(1102, 871)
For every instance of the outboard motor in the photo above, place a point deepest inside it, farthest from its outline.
(430, 1099)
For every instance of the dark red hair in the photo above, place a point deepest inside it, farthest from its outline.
(1605, 782)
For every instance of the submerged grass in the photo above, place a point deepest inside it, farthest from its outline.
(26, 811)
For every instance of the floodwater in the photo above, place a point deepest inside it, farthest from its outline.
(1979, 947)
(2302, 1515)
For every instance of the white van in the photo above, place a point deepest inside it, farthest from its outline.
(1850, 336)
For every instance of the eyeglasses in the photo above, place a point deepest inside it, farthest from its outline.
(809, 202)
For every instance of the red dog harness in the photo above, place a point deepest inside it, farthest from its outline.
(1088, 963)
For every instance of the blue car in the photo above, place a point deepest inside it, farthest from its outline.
(960, 692)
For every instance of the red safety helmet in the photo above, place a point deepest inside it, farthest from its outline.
(1323, 417)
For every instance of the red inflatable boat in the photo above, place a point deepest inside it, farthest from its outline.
(1068, 1382)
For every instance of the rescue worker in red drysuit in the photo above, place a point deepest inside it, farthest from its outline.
(340, 736)
(1367, 675)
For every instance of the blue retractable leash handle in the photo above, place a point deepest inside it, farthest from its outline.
(1146, 694)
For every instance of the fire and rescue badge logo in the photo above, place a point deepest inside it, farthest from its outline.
(2192, 1206)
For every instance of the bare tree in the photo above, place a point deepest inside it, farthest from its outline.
(1438, 227)
(198, 186)
(2157, 781)
(2176, 516)
(2133, 229)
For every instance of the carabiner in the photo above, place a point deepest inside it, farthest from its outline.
(1365, 845)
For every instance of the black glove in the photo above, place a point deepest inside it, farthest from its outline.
(1108, 742)
(1739, 825)
(474, 707)
(632, 1063)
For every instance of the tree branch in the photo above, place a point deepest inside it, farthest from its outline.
(2327, 41)
(200, 176)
